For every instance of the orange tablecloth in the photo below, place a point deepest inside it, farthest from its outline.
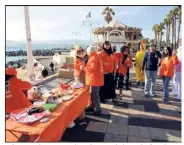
(61, 117)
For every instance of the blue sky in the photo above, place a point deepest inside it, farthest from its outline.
(58, 22)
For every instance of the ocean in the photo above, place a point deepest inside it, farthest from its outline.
(34, 46)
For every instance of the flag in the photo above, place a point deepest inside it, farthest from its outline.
(89, 15)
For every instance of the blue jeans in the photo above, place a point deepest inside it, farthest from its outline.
(150, 81)
(166, 88)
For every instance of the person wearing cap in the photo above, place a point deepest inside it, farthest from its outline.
(124, 63)
(80, 61)
(17, 99)
(150, 66)
(176, 86)
(166, 70)
(138, 65)
(107, 91)
(94, 78)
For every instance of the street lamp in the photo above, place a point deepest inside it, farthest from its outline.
(76, 34)
(90, 24)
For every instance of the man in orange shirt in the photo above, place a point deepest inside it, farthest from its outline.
(16, 98)
(94, 78)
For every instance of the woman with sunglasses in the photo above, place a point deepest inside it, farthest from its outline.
(107, 91)
(124, 63)
(80, 61)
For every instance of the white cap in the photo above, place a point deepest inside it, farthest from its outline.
(90, 49)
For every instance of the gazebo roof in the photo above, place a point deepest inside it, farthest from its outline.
(117, 24)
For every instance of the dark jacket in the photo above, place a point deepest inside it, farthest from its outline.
(151, 60)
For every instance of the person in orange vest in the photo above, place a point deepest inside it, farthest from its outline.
(16, 98)
(166, 71)
(80, 61)
(94, 78)
(124, 63)
(138, 65)
(107, 91)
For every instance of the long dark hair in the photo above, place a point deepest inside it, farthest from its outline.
(123, 48)
(169, 54)
(109, 51)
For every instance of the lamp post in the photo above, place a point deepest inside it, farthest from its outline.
(29, 45)
(76, 34)
(90, 24)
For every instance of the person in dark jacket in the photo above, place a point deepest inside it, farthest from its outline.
(127, 77)
(150, 65)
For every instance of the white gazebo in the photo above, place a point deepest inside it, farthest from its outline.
(118, 33)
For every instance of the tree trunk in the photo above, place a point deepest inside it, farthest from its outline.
(160, 38)
(155, 37)
(166, 33)
(175, 33)
(169, 31)
(178, 34)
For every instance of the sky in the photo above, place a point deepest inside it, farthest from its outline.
(59, 22)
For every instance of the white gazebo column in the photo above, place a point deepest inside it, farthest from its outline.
(29, 45)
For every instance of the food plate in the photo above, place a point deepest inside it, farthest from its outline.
(44, 120)
(67, 97)
(38, 103)
(58, 101)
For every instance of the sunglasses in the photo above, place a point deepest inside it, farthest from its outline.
(80, 51)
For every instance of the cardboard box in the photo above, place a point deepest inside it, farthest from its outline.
(66, 73)
(69, 60)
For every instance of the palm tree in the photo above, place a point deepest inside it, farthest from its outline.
(154, 28)
(176, 10)
(108, 12)
(161, 27)
(166, 22)
(172, 17)
(179, 24)
(169, 18)
(157, 32)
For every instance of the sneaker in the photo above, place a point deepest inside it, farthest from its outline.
(178, 98)
(146, 95)
(153, 95)
(138, 83)
(173, 93)
(166, 102)
(127, 88)
(89, 109)
(113, 100)
(97, 113)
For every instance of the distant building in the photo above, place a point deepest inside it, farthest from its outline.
(118, 33)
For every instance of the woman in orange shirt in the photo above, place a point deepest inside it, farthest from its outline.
(124, 63)
(107, 91)
(167, 70)
(80, 61)
(16, 98)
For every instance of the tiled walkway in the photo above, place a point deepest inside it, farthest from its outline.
(132, 118)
